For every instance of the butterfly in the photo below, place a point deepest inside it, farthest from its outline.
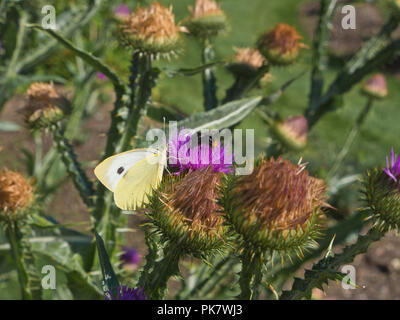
(132, 175)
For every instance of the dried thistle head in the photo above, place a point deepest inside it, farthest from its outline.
(206, 19)
(246, 62)
(282, 45)
(190, 215)
(278, 206)
(375, 87)
(16, 193)
(44, 105)
(151, 30)
(292, 132)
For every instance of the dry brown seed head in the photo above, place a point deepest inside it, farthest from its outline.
(205, 8)
(15, 191)
(249, 56)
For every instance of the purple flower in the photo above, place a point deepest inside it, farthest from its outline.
(101, 76)
(125, 293)
(393, 168)
(122, 12)
(130, 258)
(185, 153)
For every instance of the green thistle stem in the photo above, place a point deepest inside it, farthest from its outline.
(209, 80)
(350, 139)
(14, 238)
(163, 270)
(79, 178)
(251, 274)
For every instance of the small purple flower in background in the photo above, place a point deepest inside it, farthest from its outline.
(122, 12)
(126, 293)
(184, 156)
(130, 258)
(393, 167)
(101, 76)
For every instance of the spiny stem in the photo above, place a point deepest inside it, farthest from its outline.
(251, 274)
(350, 139)
(209, 81)
(74, 169)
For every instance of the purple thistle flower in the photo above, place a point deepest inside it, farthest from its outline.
(122, 12)
(101, 76)
(393, 168)
(130, 258)
(186, 155)
(126, 293)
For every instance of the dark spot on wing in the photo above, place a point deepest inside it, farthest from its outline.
(120, 170)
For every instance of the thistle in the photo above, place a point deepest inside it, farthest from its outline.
(151, 31)
(246, 62)
(276, 209)
(375, 87)
(207, 19)
(126, 293)
(45, 106)
(186, 214)
(130, 259)
(16, 195)
(281, 46)
(382, 194)
(292, 132)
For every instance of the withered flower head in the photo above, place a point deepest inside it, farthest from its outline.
(278, 206)
(292, 132)
(151, 30)
(247, 61)
(281, 46)
(375, 87)
(206, 19)
(191, 216)
(44, 105)
(15, 192)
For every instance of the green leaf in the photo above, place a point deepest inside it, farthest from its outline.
(109, 277)
(95, 62)
(221, 117)
(8, 126)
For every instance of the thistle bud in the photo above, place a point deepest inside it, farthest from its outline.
(277, 208)
(187, 213)
(246, 62)
(16, 194)
(382, 194)
(281, 46)
(151, 31)
(375, 87)
(292, 132)
(44, 106)
(207, 19)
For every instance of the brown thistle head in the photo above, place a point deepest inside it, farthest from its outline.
(277, 206)
(191, 216)
(281, 46)
(206, 19)
(292, 132)
(247, 61)
(16, 193)
(151, 30)
(45, 106)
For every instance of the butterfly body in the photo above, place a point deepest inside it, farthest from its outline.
(132, 175)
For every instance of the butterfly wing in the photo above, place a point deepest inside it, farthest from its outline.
(112, 170)
(131, 191)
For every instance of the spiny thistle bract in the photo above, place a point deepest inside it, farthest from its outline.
(16, 195)
(292, 132)
(281, 46)
(382, 194)
(186, 213)
(151, 31)
(277, 208)
(206, 19)
(246, 62)
(45, 106)
(375, 87)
